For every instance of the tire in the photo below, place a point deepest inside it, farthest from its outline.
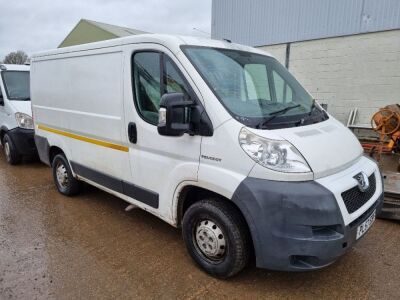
(10, 151)
(63, 179)
(216, 218)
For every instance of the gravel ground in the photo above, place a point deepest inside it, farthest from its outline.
(88, 247)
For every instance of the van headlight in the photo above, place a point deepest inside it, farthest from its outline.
(276, 155)
(24, 121)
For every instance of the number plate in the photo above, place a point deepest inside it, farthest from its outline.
(363, 228)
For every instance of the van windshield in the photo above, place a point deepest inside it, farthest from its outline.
(17, 85)
(255, 89)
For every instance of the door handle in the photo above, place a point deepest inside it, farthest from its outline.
(132, 132)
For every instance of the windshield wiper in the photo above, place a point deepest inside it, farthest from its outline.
(314, 106)
(274, 114)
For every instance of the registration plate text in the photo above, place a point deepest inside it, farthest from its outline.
(364, 226)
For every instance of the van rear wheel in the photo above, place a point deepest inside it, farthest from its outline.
(10, 151)
(63, 178)
(216, 237)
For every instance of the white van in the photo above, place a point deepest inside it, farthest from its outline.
(214, 137)
(16, 125)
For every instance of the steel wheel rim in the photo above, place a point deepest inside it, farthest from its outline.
(7, 150)
(210, 239)
(62, 175)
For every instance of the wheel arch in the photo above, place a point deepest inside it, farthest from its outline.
(3, 131)
(53, 151)
(192, 193)
(49, 145)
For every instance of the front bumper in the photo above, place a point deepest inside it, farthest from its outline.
(23, 140)
(298, 226)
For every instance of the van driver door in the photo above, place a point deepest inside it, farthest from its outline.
(158, 163)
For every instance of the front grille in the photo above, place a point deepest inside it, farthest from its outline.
(366, 214)
(354, 198)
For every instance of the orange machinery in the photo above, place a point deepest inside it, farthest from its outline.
(386, 122)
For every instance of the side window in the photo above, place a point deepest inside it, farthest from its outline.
(147, 79)
(155, 75)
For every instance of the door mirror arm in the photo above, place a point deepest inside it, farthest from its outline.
(201, 122)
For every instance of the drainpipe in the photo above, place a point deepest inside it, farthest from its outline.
(287, 55)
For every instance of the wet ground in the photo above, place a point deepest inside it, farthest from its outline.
(88, 247)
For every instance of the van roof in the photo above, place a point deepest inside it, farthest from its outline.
(172, 42)
(11, 67)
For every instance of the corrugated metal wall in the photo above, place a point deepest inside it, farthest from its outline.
(267, 22)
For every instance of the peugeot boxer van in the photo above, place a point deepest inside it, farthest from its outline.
(16, 125)
(210, 136)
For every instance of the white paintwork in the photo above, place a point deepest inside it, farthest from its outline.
(11, 107)
(342, 181)
(328, 146)
(87, 90)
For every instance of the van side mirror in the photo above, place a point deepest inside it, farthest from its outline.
(179, 115)
(173, 118)
(1, 99)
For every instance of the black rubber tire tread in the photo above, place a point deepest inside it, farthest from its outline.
(232, 223)
(74, 186)
(15, 158)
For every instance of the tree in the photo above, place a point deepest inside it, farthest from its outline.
(16, 58)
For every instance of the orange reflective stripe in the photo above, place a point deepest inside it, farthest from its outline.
(84, 138)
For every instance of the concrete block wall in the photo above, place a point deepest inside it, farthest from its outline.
(278, 51)
(360, 71)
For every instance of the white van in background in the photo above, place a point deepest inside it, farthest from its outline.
(16, 125)
(214, 137)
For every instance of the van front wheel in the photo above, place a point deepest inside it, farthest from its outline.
(10, 151)
(63, 178)
(216, 237)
